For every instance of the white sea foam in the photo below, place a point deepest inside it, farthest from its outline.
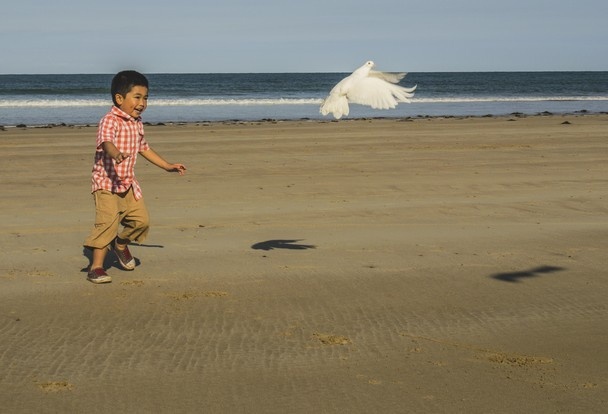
(166, 102)
(51, 103)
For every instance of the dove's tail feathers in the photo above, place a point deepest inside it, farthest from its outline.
(403, 94)
(336, 105)
(410, 90)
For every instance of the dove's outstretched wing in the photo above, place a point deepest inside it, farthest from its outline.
(378, 93)
(388, 76)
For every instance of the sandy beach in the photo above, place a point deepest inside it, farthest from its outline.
(428, 265)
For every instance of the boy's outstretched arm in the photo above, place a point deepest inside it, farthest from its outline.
(110, 149)
(159, 161)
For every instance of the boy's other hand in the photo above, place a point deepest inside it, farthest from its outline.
(178, 168)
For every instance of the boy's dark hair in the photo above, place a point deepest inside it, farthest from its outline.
(124, 81)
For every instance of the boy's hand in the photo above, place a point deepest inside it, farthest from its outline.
(121, 157)
(178, 168)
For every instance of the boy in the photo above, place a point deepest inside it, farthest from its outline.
(116, 191)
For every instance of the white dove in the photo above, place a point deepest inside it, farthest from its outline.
(366, 87)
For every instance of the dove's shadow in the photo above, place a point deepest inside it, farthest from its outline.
(515, 277)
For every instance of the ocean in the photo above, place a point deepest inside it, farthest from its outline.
(36, 100)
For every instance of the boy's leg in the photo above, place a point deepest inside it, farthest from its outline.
(99, 257)
(135, 220)
(107, 219)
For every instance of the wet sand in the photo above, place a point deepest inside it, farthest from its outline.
(389, 266)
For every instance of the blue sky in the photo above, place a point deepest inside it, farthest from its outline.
(69, 36)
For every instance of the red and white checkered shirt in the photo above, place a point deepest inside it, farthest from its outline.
(127, 134)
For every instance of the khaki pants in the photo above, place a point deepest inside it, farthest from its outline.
(111, 210)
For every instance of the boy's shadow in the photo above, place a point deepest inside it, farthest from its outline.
(109, 261)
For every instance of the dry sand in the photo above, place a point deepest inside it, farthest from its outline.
(368, 266)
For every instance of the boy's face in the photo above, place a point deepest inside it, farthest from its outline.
(135, 102)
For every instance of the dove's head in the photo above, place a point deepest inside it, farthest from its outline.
(364, 70)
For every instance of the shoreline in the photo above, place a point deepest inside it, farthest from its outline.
(582, 112)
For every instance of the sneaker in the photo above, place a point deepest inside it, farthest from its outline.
(98, 276)
(124, 257)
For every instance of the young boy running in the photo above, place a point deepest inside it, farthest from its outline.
(116, 191)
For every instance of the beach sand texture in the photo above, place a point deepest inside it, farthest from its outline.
(362, 266)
